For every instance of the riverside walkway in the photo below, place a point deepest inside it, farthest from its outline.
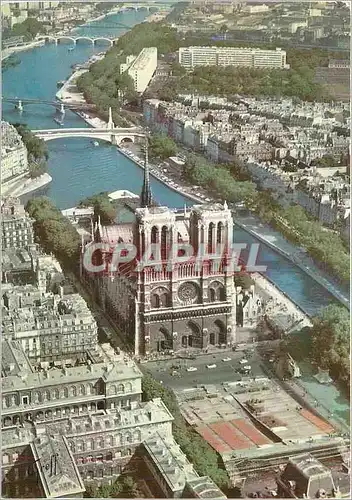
(299, 257)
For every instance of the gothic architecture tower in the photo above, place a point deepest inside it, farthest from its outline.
(184, 304)
(167, 304)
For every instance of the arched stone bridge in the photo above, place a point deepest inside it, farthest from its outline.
(113, 135)
(75, 40)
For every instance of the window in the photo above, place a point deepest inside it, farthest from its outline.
(25, 400)
(5, 459)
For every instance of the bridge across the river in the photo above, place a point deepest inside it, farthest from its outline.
(75, 39)
(110, 134)
(19, 102)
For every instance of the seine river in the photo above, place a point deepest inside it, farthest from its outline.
(79, 169)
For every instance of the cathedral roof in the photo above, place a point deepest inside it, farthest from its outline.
(117, 233)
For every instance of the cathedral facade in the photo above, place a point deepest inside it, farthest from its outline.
(175, 305)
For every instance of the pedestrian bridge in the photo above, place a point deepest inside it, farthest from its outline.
(74, 40)
(113, 135)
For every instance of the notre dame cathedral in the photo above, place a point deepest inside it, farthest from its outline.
(172, 307)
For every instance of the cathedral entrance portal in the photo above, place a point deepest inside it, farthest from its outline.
(218, 335)
(193, 336)
(164, 340)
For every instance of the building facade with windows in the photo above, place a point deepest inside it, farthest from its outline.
(141, 68)
(14, 161)
(48, 326)
(16, 225)
(190, 57)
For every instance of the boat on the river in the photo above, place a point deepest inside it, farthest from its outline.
(60, 84)
(71, 49)
(95, 143)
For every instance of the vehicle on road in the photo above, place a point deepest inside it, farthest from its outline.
(243, 361)
(247, 368)
(227, 359)
(210, 367)
(192, 369)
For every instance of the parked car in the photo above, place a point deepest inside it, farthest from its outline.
(210, 367)
(192, 369)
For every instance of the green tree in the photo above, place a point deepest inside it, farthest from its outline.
(161, 146)
(103, 207)
(327, 343)
(54, 232)
(36, 149)
(28, 29)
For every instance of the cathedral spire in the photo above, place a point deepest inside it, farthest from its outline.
(146, 195)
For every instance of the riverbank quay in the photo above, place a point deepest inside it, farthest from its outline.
(25, 185)
(283, 312)
(277, 242)
(68, 92)
(13, 50)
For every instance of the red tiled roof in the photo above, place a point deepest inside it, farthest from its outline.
(250, 431)
(112, 234)
(228, 433)
(213, 440)
(318, 422)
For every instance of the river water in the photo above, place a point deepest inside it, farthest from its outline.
(79, 169)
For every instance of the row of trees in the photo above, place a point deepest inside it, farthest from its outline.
(36, 149)
(54, 232)
(327, 343)
(197, 450)
(326, 247)
(218, 179)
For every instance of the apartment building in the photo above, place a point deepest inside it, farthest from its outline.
(14, 161)
(16, 225)
(190, 57)
(141, 68)
(96, 405)
(174, 476)
(48, 326)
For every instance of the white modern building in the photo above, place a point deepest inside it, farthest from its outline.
(189, 57)
(141, 68)
(14, 160)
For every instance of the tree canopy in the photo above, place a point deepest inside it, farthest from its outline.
(36, 149)
(161, 146)
(103, 207)
(54, 232)
(28, 29)
(218, 178)
(326, 247)
(327, 343)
